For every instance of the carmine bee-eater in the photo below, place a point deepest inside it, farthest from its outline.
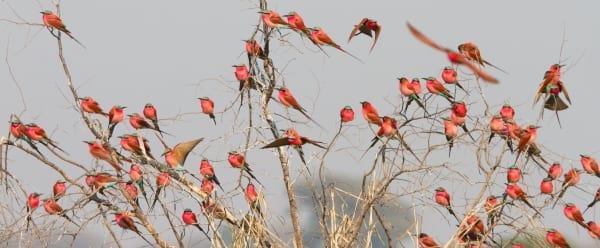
(90, 105)
(475, 229)
(497, 126)
(573, 213)
(427, 242)
(516, 193)
(287, 99)
(453, 56)
(254, 49)
(368, 27)
(458, 112)
(207, 186)
(471, 51)
(555, 170)
(136, 174)
(551, 77)
(102, 181)
(208, 107)
(150, 114)
(435, 87)
(546, 186)
(115, 116)
(138, 122)
(132, 192)
(296, 23)
(52, 21)
(346, 114)
(33, 202)
(442, 197)
(596, 199)
(408, 89)
(272, 19)
(175, 157)
(492, 209)
(19, 131)
(237, 160)
(105, 153)
(370, 113)
(449, 75)
(124, 221)
(252, 198)
(513, 175)
(189, 218)
(590, 165)
(451, 132)
(507, 112)
(242, 74)
(37, 133)
(162, 180)
(208, 172)
(389, 128)
(131, 143)
(53, 208)
(59, 189)
(318, 36)
(556, 239)
(571, 179)
(594, 229)
(294, 139)
(526, 139)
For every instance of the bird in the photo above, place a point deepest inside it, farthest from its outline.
(52, 21)
(453, 56)
(368, 27)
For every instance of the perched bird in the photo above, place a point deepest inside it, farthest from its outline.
(590, 165)
(189, 218)
(442, 197)
(105, 153)
(253, 49)
(573, 213)
(138, 122)
(516, 193)
(287, 99)
(449, 75)
(252, 198)
(571, 179)
(115, 116)
(368, 27)
(52, 21)
(410, 90)
(453, 56)
(19, 131)
(89, 105)
(319, 37)
(272, 19)
(208, 172)
(556, 239)
(208, 107)
(596, 199)
(435, 87)
(162, 180)
(546, 186)
(346, 114)
(59, 189)
(53, 208)
(296, 23)
(37, 133)
(451, 132)
(427, 242)
(33, 202)
(150, 113)
(124, 221)
(594, 229)
(370, 113)
(237, 160)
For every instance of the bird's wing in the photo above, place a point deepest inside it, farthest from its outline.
(420, 36)
(277, 143)
(356, 28)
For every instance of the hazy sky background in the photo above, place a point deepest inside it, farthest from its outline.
(170, 53)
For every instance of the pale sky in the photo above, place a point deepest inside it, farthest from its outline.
(171, 53)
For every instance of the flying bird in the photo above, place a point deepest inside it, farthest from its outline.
(453, 56)
(368, 27)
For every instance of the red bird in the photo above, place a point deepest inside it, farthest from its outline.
(594, 230)
(53, 208)
(571, 179)
(272, 19)
(18, 130)
(546, 187)
(296, 23)
(37, 133)
(132, 191)
(237, 160)
(453, 56)
(162, 180)
(52, 21)
(516, 193)
(370, 113)
(208, 172)
(573, 213)
(368, 27)
(115, 116)
(319, 37)
(208, 107)
(287, 99)
(136, 175)
(471, 51)
(252, 198)
(138, 122)
(105, 153)
(555, 170)
(59, 189)
(33, 202)
(124, 221)
(507, 112)
(427, 242)
(596, 199)
(189, 218)
(513, 175)
(347, 114)
(449, 75)
(150, 114)
(254, 49)
(590, 165)
(294, 139)
(442, 197)
(89, 105)
(556, 239)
